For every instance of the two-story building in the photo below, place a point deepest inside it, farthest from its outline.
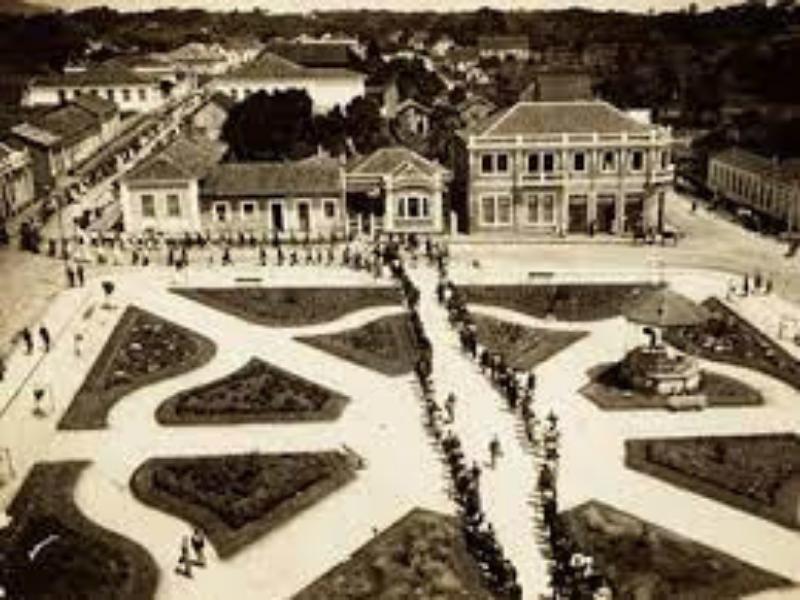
(112, 80)
(566, 167)
(16, 180)
(327, 87)
(504, 47)
(209, 118)
(768, 187)
(396, 190)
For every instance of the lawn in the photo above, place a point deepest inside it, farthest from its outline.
(290, 306)
(385, 345)
(143, 349)
(759, 474)
(257, 393)
(420, 556)
(729, 338)
(523, 347)
(236, 499)
(564, 302)
(642, 560)
(609, 392)
(53, 552)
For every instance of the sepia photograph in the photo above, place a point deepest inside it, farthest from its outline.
(386, 300)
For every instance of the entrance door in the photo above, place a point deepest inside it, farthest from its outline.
(276, 216)
(634, 213)
(304, 216)
(606, 215)
(578, 215)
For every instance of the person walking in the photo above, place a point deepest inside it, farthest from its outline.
(27, 337)
(198, 547)
(78, 344)
(70, 276)
(184, 560)
(494, 451)
(80, 275)
(44, 335)
(450, 407)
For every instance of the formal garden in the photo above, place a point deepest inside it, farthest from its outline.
(759, 474)
(728, 337)
(291, 307)
(423, 555)
(257, 393)
(236, 499)
(142, 349)
(609, 389)
(384, 345)
(642, 560)
(53, 552)
(562, 302)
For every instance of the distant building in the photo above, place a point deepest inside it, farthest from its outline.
(266, 199)
(558, 87)
(442, 46)
(16, 180)
(199, 59)
(162, 194)
(241, 50)
(386, 95)
(768, 187)
(504, 47)
(475, 109)
(317, 54)
(397, 190)
(566, 167)
(412, 119)
(111, 80)
(327, 87)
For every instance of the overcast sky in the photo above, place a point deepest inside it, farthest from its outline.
(308, 5)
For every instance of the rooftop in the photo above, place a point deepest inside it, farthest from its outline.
(36, 135)
(70, 122)
(111, 72)
(184, 158)
(329, 54)
(753, 162)
(559, 87)
(503, 42)
(271, 66)
(259, 179)
(99, 107)
(196, 52)
(535, 118)
(391, 160)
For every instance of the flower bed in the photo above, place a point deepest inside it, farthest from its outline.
(421, 556)
(759, 474)
(291, 307)
(384, 345)
(256, 393)
(143, 349)
(607, 390)
(51, 551)
(564, 302)
(642, 560)
(729, 338)
(523, 347)
(236, 499)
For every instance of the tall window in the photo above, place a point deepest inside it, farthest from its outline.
(220, 212)
(502, 163)
(579, 162)
(110, 94)
(248, 210)
(126, 95)
(148, 206)
(496, 210)
(173, 205)
(413, 207)
(143, 95)
(541, 208)
(494, 163)
(637, 160)
(533, 162)
(548, 162)
(609, 161)
(330, 209)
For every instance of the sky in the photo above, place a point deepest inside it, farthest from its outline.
(282, 6)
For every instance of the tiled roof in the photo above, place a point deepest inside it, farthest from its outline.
(317, 54)
(747, 160)
(532, 118)
(260, 179)
(559, 87)
(503, 42)
(223, 101)
(387, 161)
(36, 135)
(111, 72)
(271, 66)
(100, 107)
(195, 51)
(184, 158)
(70, 122)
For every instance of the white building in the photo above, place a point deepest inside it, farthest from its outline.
(111, 80)
(16, 180)
(270, 73)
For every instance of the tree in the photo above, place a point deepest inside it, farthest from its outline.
(276, 126)
(365, 125)
(331, 131)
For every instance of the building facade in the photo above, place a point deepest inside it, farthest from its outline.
(766, 186)
(327, 87)
(567, 168)
(395, 190)
(16, 180)
(503, 47)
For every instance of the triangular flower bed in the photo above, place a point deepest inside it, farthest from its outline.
(51, 550)
(759, 474)
(236, 499)
(143, 349)
(257, 393)
(423, 555)
(291, 306)
(523, 347)
(384, 345)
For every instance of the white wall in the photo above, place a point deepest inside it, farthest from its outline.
(41, 95)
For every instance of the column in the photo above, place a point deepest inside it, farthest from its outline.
(437, 204)
(388, 203)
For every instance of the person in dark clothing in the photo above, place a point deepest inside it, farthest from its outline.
(70, 276)
(27, 337)
(44, 334)
(80, 275)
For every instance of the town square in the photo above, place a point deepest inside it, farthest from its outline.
(323, 317)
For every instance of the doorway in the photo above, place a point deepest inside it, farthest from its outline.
(304, 216)
(606, 214)
(578, 215)
(276, 216)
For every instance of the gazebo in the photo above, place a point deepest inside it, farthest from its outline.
(654, 367)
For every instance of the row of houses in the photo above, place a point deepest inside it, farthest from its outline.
(533, 169)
